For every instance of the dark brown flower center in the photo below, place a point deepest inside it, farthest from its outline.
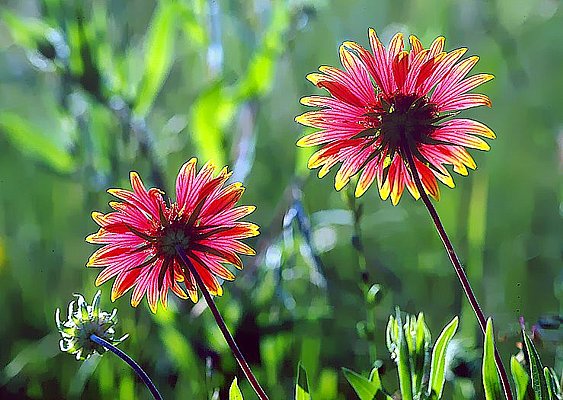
(406, 120)
(171, 236)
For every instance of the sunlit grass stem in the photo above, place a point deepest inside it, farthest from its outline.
(462, 276)
(132, 363)
(221, 323)
(475, 230)
(359, 249)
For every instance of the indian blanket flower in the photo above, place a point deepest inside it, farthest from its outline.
(83, 321)
(143, 235)
(391, 101)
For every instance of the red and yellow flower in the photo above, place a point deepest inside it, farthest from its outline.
(391, 101)
(142, 236)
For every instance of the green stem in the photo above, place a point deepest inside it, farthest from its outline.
(358, 245)
(188, 267)
(462, 276)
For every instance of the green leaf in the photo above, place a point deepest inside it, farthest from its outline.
(375, 379)
(103, 53)
(76, 43)
(553, 384)
(396, 335)
(310, 354)
(302, 384)
(549, 383)
(491, 381)
(422, 334)
(261, 67)
(521, 380)
(159, 54)
(192, 23)
(234, 391)
(365, 388)
(420, 340)
(438, 364)
(211, 113)
(36, 144)
(539, 385)
(25, 32)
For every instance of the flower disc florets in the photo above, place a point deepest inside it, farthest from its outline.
(172, 236)
(406, 121)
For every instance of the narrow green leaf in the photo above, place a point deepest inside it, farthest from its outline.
(211, 114)
(261, 67)
(302, 384)
(29, 140)
(539, 386)
(375, 379)
(310, 354)
(25, 32)
(491, 381)
(405, 381)
(75, 42)
(104, 56)
(418, 355)
(192, 23)
(521, 379)
(421, 334)
(364, 388)
(159, 54)
(234, 391)
(438, 363)
(409, 332)
(553, 384)
(549, 383)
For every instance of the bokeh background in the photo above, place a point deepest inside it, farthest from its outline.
(90, 90)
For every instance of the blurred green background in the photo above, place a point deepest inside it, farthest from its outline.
(90, 90)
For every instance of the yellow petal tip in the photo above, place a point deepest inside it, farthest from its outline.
(339, 184)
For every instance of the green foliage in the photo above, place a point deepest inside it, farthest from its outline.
(438, 365)
(366, 389)
(557, 381)
(409, 345)
(491, 381)
(261, 68)
(31, 141)
(302, 384)
(211, 114)
(234, 391)
(553, 384)
(28, 33)
(537, 377)
(521, 380)
(538, 382)
(159, 54)
(213, 111)
(397, 346)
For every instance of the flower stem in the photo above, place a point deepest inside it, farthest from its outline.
(221, 323)
(136, 367)
(462, 276)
